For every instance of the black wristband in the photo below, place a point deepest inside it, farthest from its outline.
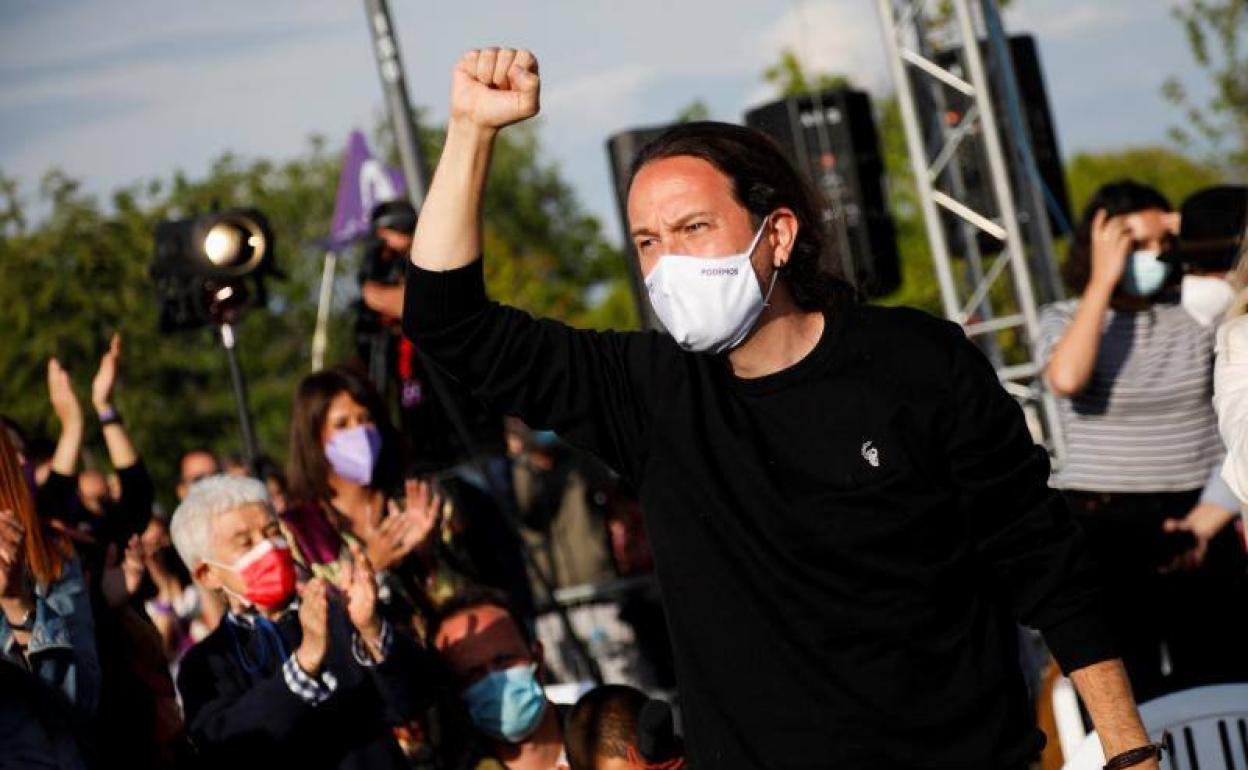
(1134, 757)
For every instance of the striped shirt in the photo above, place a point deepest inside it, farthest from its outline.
(1145, 421)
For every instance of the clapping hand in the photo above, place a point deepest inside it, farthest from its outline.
(61, 394)
(407, 527)
(358, 585)
(122, 576)
(106, 376)
(495, 87)
(314, 620)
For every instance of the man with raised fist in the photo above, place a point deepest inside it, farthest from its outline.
(847, 512)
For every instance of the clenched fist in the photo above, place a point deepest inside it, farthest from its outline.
(495, 87)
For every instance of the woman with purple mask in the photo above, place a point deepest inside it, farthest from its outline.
(347, 485)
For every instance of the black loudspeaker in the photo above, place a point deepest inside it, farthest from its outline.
(831, 137)
(622, 148)
(1034, 103)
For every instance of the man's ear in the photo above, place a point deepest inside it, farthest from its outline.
(783, 235)
(206, 576)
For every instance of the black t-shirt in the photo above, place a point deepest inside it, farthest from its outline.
(843, 547)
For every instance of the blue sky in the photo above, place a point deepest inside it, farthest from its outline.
(124, 90)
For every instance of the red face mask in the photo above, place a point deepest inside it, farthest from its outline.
(268, 573)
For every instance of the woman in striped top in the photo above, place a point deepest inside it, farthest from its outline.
(1134, 373)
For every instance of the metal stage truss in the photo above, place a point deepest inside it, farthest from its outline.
(1004, 267)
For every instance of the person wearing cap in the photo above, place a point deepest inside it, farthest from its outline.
(1133, 367)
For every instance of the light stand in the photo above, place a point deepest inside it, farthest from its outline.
(208, 270)
(251, 451)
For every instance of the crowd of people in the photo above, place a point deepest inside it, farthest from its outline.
(844, 557)
(342, 612)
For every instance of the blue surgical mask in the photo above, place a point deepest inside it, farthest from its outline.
(1145, 274)
(507, 705)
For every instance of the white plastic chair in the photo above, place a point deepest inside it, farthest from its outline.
(1204, 728)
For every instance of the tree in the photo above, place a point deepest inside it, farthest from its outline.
(73, 278)
(790, 78)
(1174, 174)
(1216, 34)
(693, 111)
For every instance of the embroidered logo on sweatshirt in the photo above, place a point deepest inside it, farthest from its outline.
(871, 454)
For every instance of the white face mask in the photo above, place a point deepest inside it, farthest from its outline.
(1206, 299)
(708, 304)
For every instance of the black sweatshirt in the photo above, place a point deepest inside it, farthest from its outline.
(843, 546)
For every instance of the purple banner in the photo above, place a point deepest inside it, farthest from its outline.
(364, 182)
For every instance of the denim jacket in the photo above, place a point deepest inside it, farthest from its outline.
(61, 651)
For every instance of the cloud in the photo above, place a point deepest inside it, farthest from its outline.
(598, 96)
(1059, 20)
(836, 36)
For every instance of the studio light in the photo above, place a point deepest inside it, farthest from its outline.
(203, 266)
(209, 269)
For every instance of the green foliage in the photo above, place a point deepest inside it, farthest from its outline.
(693, 111)
(1216, 32)
(1174, 174)
(918, 278)
(791, 79)
(73, 278)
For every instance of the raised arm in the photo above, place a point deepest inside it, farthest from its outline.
(121, 451)
(1070, 365)
(69, 413)
(134, 508)
(491, 88)
(597, 389)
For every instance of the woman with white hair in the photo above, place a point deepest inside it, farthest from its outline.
(307, 678)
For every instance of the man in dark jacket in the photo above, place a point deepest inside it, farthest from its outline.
(317, 680)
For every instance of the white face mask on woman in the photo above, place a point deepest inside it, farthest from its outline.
(1206, 299)
(708, 304)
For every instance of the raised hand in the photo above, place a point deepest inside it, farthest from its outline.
(122, 575)
(314, 619)
(1111, 245)
(408, 528)
(495, 87)
(61, 394)
(422, 507)
(106, 376)
(358, 585)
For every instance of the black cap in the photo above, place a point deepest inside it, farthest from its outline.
(394, 215)
(1211, 231)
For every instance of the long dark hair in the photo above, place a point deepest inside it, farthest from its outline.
(1124, 196)
(763, 180)
(309, 470)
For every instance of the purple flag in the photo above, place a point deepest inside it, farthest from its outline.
(364, 182)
